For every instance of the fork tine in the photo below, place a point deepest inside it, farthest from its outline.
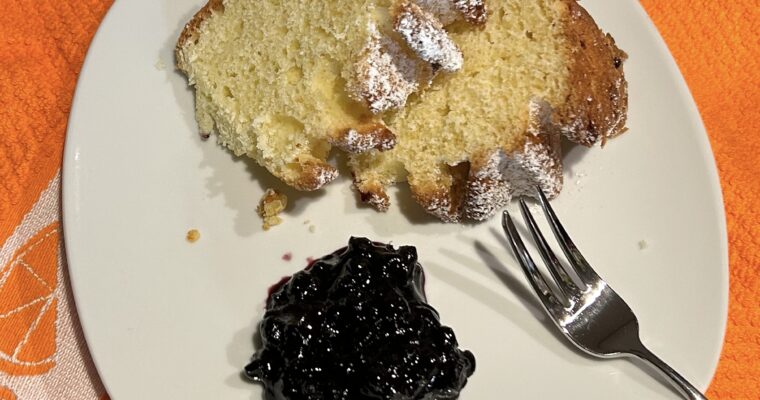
(537, 281)
(564, 282)
(577, 261)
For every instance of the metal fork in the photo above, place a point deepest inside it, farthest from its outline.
(595, 318)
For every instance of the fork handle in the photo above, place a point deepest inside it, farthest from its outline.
(679, 382)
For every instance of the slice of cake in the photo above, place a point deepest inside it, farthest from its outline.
(464, 99)
(284, 81)
(537, 69)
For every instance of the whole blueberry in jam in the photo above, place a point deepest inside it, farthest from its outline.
(355, 325)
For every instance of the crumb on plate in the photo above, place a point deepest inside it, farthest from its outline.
(643, 244)
(193, 235)
(270, 206)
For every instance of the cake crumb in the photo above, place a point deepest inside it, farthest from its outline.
(193, 235)
(307, 222)
(312, 228)
(270, 206)
(287, 256)
(643, 244)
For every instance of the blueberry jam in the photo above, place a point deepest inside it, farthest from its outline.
(356, 326)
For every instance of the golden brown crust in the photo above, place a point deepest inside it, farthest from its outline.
(312, 174)
(444, 199)
(190, 32)
(474, 11)
(370, 136)
(373, 193)
(597, 103)
(487, 187)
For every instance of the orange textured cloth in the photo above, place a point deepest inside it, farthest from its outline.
(43, 44)
(717, 47)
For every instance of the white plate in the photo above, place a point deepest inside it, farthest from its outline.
(166, 319)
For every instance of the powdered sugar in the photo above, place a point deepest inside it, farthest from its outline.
(424, 34)
(373, 193)
(487, 188)
(536, 164)
(324, 176)
(377, 137)
(385, 74)
(539, 163)
(495, 178)
(378, 201)
(474, 11)
(360, 142)
(439, 205)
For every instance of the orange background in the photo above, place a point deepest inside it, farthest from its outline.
(43, 44)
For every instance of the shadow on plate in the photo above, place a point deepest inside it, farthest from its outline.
(529, 299)
(243, 345)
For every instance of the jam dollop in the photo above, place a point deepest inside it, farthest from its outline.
(356, 325)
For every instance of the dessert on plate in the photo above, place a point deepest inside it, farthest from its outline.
(355, 325)
(466, 100)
